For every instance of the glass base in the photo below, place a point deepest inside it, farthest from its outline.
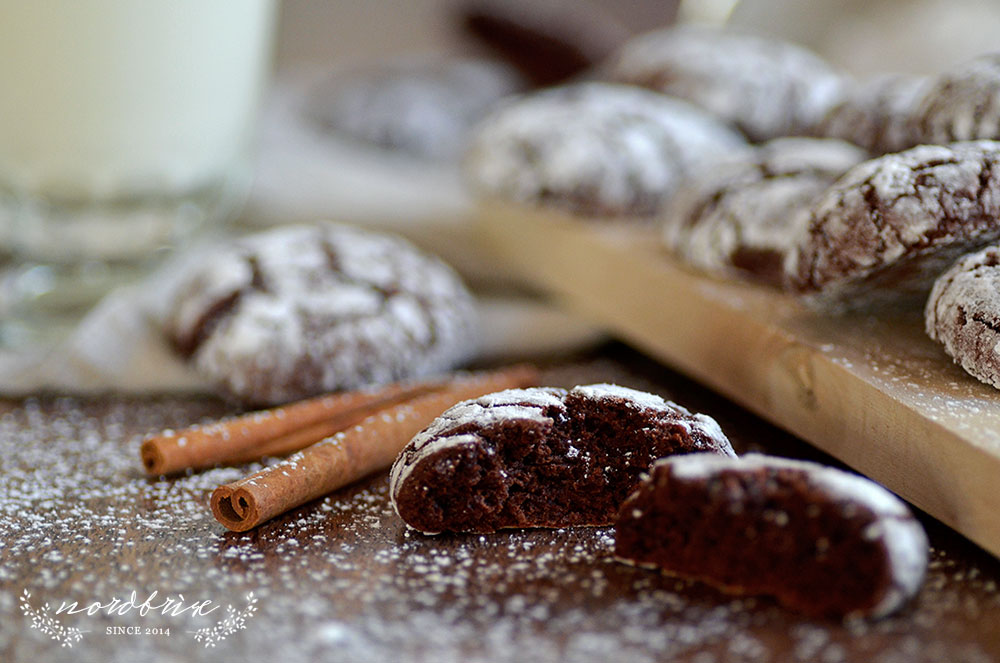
(40, 303)
(63, 256)
(117, 230)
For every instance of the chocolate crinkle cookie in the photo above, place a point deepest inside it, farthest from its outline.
(765, 87)
(549, 41)
(742, 216)
(302, 310)
(879, 114)
(822, 541)
(541, 457)
(963, 314)
(593, 149)
(962, 104)
(890, 226)
(424, 109)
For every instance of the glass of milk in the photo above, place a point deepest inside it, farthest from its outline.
(125, 127)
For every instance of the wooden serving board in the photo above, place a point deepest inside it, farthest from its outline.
(872, 391)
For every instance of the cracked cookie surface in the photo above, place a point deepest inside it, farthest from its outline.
(766, 88)
(541, 457)
(963, 314)
(594, 149)
(890, 226)
(299, 311)
(963, 103)
(422, 108)
(741, 217)
(879, 114)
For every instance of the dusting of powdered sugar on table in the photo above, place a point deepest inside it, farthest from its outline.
(342, 577)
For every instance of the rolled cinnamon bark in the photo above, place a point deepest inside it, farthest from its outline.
(272, 432)
(371, 445)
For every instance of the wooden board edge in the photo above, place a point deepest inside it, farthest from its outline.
(802, 390)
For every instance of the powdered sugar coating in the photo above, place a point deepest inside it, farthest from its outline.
(836, 483)
(541, 407)
(303, 310)
(893, 526)
(963, 104)
(510, 404)
(507, 404)
(343, 579)
(695, 423)
(906, 546)
(879, 114)
(767, 88)
(963, 314)
(741, 217)
(593, 149)
(891, 225)
(422, 108)
(535, 397)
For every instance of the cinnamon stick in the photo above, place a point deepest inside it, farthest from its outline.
(371, 445)
(269, 432)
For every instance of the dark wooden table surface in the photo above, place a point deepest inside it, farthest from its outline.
(341, 579)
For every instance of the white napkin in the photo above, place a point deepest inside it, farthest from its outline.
(119, 346)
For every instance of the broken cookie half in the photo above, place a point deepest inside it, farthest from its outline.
(541, 457)
(822, 541)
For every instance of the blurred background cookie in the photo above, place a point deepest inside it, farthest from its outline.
(963, 103)
(742, 216)
(422, 108)
(550, 41)
(879, 114)
(593, 149)
(766, 87)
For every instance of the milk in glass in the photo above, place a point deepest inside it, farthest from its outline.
(124, 122)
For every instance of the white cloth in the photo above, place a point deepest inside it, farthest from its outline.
(120, 346)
